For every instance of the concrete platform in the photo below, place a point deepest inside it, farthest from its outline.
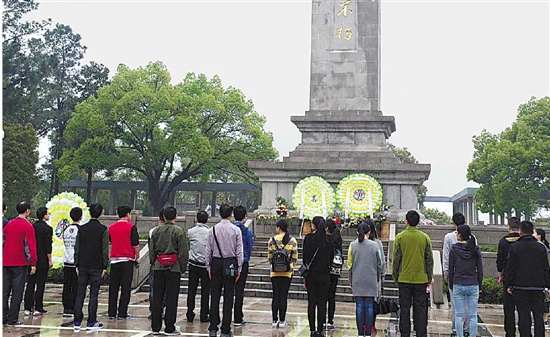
(257, 314)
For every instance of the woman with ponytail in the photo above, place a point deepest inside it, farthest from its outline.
(365, 272)
(374, 237)
(318, 255)
(465, 276)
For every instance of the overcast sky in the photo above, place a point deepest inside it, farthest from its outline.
(449, 68)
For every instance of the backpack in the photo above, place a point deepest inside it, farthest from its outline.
(280, 260)
(244, 232)
(337, 263)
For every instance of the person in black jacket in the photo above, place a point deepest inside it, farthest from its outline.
(334, 233)
(527, 276)
(318, 253)
(507, 300)
(43, 232)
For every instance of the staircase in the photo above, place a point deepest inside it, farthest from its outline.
(258, 282)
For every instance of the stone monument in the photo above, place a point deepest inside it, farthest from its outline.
(344, 131)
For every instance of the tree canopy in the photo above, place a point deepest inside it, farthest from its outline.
(195, 130)
(513, 167)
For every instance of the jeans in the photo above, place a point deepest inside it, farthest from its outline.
(197, 274)
(413, 295)
(217, 282)
(364, 314)
(87, 276)
(465, 317)
(70, 288)
(13, 282)
(317, 289)
(465, 299)
(509, 308)
(239, 294)
(166, 285)
(121, 277)
(281, 285)
(35, 298)
(331, 297)
(527, 302)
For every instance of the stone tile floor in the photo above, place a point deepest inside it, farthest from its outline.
(257, 314)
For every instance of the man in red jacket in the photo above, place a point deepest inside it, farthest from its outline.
(124, 256)
(19, 252)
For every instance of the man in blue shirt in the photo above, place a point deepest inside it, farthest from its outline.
(239, 213)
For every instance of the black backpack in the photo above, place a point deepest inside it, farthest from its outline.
(337, 263)
(280, 260)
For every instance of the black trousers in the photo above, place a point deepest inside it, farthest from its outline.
(121, 277)
(166, 285)
(217, 282)
(281, 285)
(527, 302)
(509, 308)
(13, 283)
(317, 290)
(239, 294)
(197, 274)
(70, 287)
(331, 298)
(35, 298)
(413, 295)
(87, 276)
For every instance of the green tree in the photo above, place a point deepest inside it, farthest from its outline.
(437, 215)
(194, 130)
(513, 168)
(19, 155)
(406, 157)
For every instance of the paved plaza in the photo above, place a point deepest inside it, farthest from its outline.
(257, 314)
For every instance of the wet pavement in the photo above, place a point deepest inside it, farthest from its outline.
(257, 312)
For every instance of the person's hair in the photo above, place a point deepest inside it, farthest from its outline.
(170, 213)
(41, 213)
(95, 210)
(526, 227)
(362, 230)
(466, 235)
(283, 225)
(459, 219)
(320, 234)
(22, 207)
(76, 213)
(122, 211)
(317, 220)
(4, 207)
(202, 217)
(161, 215)
(514, 223)
(413, 218)
(373, 235)
(542, 234)
(239, 212)
(225, 211)
(335, 232)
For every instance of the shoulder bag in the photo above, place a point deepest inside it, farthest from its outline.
(304, 268)
(230, 264)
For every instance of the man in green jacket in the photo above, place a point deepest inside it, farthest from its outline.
(169, 256)
(412, 271)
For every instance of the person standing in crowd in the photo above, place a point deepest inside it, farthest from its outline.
(318, 254)
(334, 232)
(151, 271)
(449, 240)
(18, 253)
(280, 280)
(540, 235)
(527, 275)
(4, 219)
(412, 271)
(224, 242)
(365, 273)
(374, 237)
(169, 256)
(508, 304)
(465, 279)
(36, 283)
(70, 279)
(124, 239)
(198, 236)
(239, 213)
(91, 259)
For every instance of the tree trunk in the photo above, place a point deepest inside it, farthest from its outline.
(89, 186)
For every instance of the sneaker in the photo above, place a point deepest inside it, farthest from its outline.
(155, 333)
(329, 326)
(275, 324)
(466, 334)
(374, 329)
(76, 326)
(27, 312)
(68, 313)
(94, 326)
(112, 317)
(16, 323)
(282, 324)
(176, 332)
(212, 333)
(230, 334)
(453, 334)
(124, 317)
(243, 322)
(40, 312)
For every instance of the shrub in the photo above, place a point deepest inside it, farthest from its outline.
(492, 291)
(492, 249)
(55, 275)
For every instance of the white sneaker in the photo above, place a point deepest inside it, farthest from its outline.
(275, 324)
(176, 332)
(282, 324)
(27, 312)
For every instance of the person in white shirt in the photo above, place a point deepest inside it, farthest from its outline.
(70, 279)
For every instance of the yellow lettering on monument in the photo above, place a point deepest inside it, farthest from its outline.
(345, 10)
(339, 31)
(348, 33)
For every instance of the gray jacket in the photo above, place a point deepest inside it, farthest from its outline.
(365, 266)
(198, 236)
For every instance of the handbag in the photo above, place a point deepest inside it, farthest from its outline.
(386, 305)
(304, 268)
(230, 264)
